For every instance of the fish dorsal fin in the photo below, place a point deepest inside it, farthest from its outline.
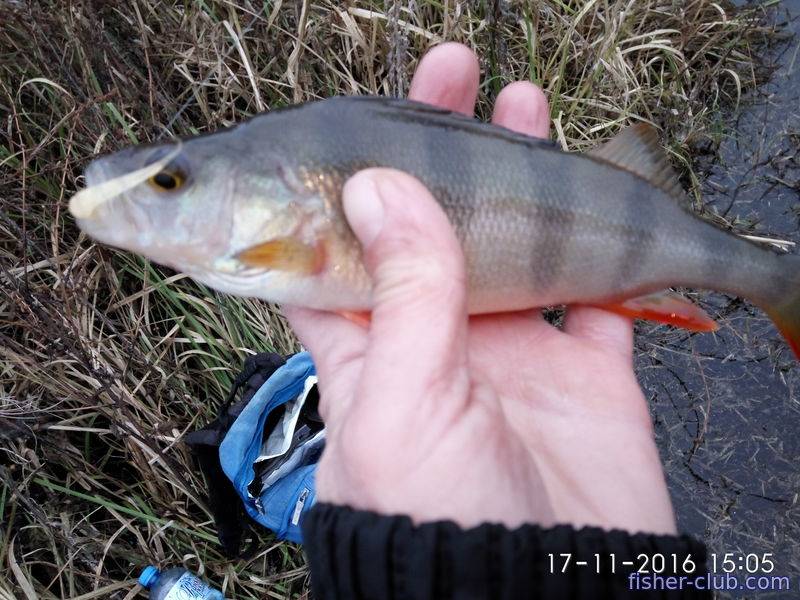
(636, 149)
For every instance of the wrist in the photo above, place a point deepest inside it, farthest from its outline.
(359, 554)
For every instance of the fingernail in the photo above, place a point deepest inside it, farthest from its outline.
(363, 207)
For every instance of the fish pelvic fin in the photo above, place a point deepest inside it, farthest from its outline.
(285, 254)
(636, 149)
(785, 313)
(361, 318)
(664, 307)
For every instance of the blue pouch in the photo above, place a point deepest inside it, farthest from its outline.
(273, 470)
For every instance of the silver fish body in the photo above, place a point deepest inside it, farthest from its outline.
(538, 226)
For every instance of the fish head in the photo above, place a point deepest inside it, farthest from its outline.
(242, 224)
(168, 202)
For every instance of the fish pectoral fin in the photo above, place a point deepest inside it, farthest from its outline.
(665, 307)
(636, 149)
(285, 254)
(360, 318)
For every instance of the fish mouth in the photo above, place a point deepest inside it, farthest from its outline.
(81, 205)
(101, 188)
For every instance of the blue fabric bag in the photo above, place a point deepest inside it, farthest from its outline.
(286, 491)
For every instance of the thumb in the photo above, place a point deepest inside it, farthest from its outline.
(419, 319)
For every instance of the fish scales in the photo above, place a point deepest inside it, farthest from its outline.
(259, 212)
(533, 221)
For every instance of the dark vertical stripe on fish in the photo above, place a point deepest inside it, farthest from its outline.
(327, 144)
(716, 266)
(637, 239)
(471, 184)
(550, 251)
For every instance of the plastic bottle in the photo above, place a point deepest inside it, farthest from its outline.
(176, 584)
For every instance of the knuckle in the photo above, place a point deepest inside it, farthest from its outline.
(411, 281)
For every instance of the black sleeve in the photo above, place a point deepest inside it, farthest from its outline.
(356, 554)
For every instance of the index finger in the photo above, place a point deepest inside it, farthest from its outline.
(447, 76)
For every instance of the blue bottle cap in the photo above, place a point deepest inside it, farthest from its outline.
(148, 576)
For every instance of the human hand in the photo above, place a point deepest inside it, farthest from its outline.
(499, 418)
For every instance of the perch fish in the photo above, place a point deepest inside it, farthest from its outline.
(255, 210)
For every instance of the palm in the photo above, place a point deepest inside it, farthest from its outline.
(576, 406)
(517, 422)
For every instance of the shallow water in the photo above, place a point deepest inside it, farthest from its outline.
(726, 406)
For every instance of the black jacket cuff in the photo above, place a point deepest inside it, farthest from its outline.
(358, 554)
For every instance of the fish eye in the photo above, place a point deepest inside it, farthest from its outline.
(167, 181)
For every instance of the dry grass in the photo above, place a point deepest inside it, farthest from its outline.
(107, 359)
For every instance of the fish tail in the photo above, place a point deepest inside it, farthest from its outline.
(785, 311)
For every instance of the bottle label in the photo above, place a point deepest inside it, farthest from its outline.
(189, 587)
